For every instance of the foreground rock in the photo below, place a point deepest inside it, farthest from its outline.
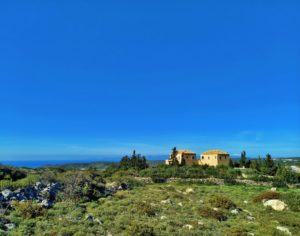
(44, 194)
(112, 188)
(284, 230)
(275, 204)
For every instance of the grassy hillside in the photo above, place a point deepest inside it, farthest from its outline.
(164, 209)
(131, 198)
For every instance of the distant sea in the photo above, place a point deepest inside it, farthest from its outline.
(46, 162)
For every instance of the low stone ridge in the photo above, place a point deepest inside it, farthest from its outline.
(41, 193)
(45, 194)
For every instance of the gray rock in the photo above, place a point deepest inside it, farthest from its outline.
(89, 217)
(46, 203)
(10, 226)
(276, 204)
(6, 193)
(98, 221)
(187, 226)
(234, 211)
(251, 218)
(284, 230)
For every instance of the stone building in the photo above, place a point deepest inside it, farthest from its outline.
(211, 158)
(183, 157)
(214, 158)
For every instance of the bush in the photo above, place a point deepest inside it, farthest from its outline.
(221, 202)
(229, 181)
(279, 184)
(28, 209)
(267, 196)
(10, 173)
(145, 209)
(210, 213)
(157, 179)
(141, 230)
(82, 186)
(292, 200)
(285, 174)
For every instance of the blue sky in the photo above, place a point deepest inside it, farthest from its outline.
(106, 77)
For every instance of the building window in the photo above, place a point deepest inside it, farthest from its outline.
(220, 158)
(202, 157)
(208, 158)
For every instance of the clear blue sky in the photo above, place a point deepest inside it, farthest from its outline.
(106, 77)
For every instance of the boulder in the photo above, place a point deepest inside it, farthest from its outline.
(234, 211)
(251, 218)
(276, 204)
(189, 190)
(46, 203)
(89, 217)
(10, 226)
(284, 230)
(6, 193)
(167, 201)
(200, 222)
(187, 226)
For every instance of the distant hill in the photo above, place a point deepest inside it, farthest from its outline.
(99, 165)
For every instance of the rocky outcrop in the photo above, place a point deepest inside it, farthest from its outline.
(112, 188)
(41, 193)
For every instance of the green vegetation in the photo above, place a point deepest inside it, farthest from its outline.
(161, 209)
(90, 201)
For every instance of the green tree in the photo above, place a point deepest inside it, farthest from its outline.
(231, 164)
(285, 174)
(173, 157)
(269, 166)
(243, 159)
(136, 161)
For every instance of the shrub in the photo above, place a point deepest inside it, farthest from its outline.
(3, 221)
(210, 213)
(157, 179)
(28, 209)
(141, 230)
(10, 173)
(230, 181)
(82, 186)
(145, 209)
(267, 196)
(236, 232)
(222, 202)
(279, 184)
(285, 174)
(292, 200)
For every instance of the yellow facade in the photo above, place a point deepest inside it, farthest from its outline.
(214, 158)
(184, 157)
(211, 158)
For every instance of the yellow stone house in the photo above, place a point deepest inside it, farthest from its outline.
(214, 158)
(183, 157)
(211, 158)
